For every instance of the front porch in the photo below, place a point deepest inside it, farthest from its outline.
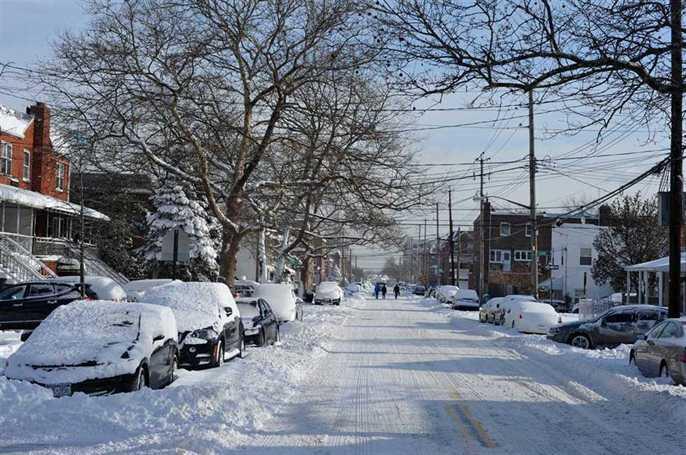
(650, 281)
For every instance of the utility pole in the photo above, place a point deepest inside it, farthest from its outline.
(676, 184)
(458, 257)
(438, 249)
(450, 236)
(418, 266)
(426, 259)
(532, 198)
(483, 278)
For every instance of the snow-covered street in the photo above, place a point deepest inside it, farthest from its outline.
(406, 376)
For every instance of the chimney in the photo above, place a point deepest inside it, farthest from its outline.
(41, 124)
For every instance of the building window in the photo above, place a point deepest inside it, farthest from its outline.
(522, 255)
(585, 256)
(527, 230)
(499, 256)
(505, 229)
(26, 170)
(59, 181)
(5, 158)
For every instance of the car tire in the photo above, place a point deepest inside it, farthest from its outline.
(277, 338)
(632, 357)
(219, 360)
(174, 368)
(241, 349)
(261, 338)
(664, 370)
(580, 340)
(140, 380)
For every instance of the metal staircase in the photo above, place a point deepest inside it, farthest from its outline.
(95, 266)
(17, 264)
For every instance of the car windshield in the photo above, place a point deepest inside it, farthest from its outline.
(327, 286)
(248, 309)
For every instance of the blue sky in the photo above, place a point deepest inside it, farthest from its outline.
(29, 27)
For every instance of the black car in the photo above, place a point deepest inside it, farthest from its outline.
(419, 290)
(99, 347)
(207, 318)
(24, 306)
(260, 325)
(620, 325)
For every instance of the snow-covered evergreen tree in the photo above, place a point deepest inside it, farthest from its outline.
(173, 209)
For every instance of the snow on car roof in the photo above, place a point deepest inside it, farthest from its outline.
(77, 332)
(106, 288)
(196, 305)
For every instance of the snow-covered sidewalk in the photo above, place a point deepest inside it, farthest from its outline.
(202, 411)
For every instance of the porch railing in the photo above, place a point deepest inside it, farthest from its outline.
(17, 264)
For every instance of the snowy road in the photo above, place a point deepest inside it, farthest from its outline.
(370, 377)
(403, 378)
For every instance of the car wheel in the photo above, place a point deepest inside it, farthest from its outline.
(241, 350)
(261, 338)
(664, 370)
(174, 368)
(580, 340)
(219, 359)
(140, 380)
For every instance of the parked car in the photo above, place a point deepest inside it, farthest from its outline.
(444, 294)
(419, 290)
(487, 310)
(244, 288)
(501, 308)
(465, 299)
(25, 305)
(430, 292)
(353, 289)
(328, 292)
(622, 324)
(99, 347)
(135, 290)
(260, 325)
(662, 351)
(531, 317)
(207, 318)
(281, 300)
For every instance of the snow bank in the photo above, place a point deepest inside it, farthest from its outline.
(205, 411)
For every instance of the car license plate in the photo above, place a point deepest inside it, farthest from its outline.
(61, 390)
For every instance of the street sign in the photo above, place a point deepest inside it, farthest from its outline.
(183, 247)
(554, 267)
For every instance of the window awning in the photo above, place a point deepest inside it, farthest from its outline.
(35, 200)
(656, 265)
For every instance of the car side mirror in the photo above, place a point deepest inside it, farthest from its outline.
(228, 311)
(158, 338)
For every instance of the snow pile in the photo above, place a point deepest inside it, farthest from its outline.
(86, 340)
(9, 343)
(206, 411)
(13, 122)
(104, 287)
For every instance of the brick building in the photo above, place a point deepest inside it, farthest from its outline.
(38, 223)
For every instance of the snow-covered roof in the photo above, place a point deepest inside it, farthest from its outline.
(656, 265)
(13, 122)
(41, 201)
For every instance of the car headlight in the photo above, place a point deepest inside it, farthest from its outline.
(554, 330)
(205, 334)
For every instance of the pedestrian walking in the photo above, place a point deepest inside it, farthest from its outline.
(377, 289)
(396, 290)
(383, 290)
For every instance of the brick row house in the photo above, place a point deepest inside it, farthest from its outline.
(508, 255)
(38, 223)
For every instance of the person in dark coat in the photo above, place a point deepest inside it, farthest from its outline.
(383, 290)
(396, 290)
(377, 289)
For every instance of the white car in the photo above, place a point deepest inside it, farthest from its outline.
(244, 288)
(531, 317)
(328, 292)
(99, 347)
(488, 309)
(444, 294)
(135, 290)
(354, 289)
(465, 299)
(106, 288)
(503, 305)
(281, 299)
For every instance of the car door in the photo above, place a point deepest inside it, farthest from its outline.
(160, 360)
(231, 329)
(268, 319)
(12, 306)
(40, 301)
(644, 351)
(667, 341)
(616, 328)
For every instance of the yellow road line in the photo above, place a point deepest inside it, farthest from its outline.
(476, 425)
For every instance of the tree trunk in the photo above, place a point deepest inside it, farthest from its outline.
(262, 256)
(231, 240)
(281, 261)
(306, 278)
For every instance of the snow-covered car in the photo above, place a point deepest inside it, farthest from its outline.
(260, 325)
(207, 318)
(353, 289)
(488, 309)
(135, 290)
(244, 288)
(105, 288)
(502, 307)
(531, 317)
(99, 347)
(444, 294)
(465, 299)
(662, 351)
(281, 300)
(328, 292)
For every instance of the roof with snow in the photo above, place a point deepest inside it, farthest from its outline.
(41, 201)
(656, 265)
(13, 122)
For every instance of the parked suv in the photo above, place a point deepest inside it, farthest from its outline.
(619, 325)
(23, 306)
